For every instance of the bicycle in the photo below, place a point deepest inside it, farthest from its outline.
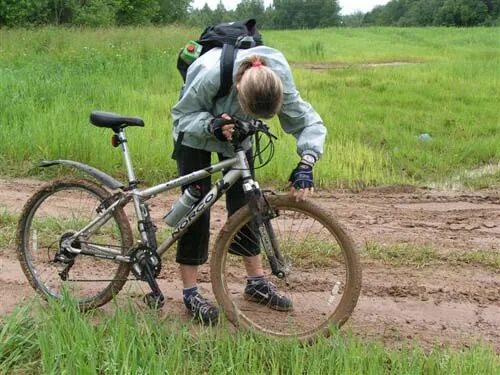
(74, 234)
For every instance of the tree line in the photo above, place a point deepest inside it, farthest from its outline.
(92, 12)
(281, 14)
(435, 13)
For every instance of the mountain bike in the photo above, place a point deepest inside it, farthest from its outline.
(74, 234)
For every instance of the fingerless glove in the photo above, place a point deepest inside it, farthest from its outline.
(215, 127)
(302, 176)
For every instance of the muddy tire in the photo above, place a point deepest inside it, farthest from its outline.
(323, 280)
(59, 209)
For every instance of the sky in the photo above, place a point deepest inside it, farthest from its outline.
(348, 6)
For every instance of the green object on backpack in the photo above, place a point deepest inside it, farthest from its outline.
(191, 51)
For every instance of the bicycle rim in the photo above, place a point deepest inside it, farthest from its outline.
(61, 209)
(323, 274)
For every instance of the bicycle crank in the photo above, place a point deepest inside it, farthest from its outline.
(146, 266)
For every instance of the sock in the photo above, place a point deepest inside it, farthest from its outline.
(254, 279)
(187, 293)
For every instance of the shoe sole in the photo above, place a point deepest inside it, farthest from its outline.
(199, 319)
(251, 298)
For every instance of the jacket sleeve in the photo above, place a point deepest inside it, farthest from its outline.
(192, 113)
(297, 117)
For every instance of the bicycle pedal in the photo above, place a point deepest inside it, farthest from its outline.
(154, 301)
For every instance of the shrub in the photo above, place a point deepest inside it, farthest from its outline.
(97, 13)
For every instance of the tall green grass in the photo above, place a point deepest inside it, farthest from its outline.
(58, 339)
(50, 80)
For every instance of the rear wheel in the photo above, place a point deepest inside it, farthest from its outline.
(56, 212)
(323, 274)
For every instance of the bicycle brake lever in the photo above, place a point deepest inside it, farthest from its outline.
(265, 130)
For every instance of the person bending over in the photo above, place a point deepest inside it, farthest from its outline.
(263, 87)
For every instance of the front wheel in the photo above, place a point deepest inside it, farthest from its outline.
(55, 213)
(322, 271)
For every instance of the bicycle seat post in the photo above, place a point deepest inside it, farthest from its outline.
(126, 156)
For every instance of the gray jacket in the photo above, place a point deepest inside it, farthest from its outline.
(196, 107)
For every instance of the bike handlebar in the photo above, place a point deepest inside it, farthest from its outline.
(244, 129)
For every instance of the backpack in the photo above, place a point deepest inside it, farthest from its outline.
(230, 37)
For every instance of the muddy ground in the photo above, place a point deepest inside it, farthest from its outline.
(439, 302)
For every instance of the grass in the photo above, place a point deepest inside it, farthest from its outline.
(8, 223)
(421, 256)
(54, 78)
(59, 339)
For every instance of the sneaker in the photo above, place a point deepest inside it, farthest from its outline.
(201, 309)
(266, 293)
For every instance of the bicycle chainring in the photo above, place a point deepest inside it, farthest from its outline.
(142, 258)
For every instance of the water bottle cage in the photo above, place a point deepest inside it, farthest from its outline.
(183, 206)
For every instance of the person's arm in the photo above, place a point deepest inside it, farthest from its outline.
(298, 118)
(192, 113)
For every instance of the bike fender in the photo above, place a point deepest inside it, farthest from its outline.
(102, 177)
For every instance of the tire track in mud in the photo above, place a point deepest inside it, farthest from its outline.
(437, 303)
(433, 305)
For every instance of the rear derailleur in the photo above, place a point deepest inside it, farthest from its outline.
(65, 257)
(146, 266)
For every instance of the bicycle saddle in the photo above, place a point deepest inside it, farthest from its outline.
(113, 120)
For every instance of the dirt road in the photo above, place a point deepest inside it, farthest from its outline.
(449, 299)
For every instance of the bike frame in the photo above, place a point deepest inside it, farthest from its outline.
(236, 167)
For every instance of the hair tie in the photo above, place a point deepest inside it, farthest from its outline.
(256, 64)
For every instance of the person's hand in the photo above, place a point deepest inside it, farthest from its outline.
(301, 181)
(222, 127)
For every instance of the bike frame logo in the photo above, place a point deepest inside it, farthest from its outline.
(194, 213)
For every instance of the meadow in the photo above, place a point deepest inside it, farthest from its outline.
(448, 87)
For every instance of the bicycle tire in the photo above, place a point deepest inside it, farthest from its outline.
(315, 273)
(51, 213)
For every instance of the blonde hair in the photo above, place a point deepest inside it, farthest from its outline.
(260, 90)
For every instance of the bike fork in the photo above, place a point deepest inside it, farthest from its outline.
(263, 213)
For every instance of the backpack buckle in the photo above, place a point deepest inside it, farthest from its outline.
(245, 42)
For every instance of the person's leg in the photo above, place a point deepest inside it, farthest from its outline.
(189, 275)
(248, 245)
(192, 247)
(258, 289)
(253, 266)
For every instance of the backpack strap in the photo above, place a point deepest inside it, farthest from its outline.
(177, 145)
(227, 58)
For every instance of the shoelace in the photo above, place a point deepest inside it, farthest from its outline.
(200, 304)
(272, 289)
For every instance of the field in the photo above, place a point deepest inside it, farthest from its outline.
(443, 82)
(425, 214)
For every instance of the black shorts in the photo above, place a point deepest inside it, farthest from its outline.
(192, 247)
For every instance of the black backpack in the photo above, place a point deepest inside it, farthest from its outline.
(230, 37)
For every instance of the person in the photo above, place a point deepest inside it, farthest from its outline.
(263, 87)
